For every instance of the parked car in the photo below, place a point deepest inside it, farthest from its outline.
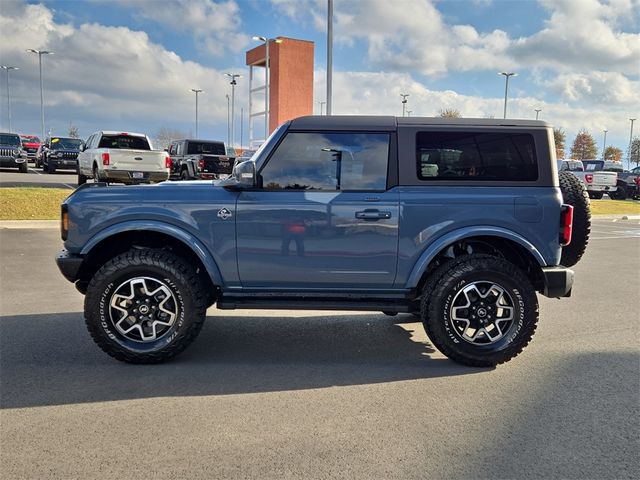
(460, 221)
(122, 157)
(11, 153)
(30, 144)
(58, 152)
(628, 182)
(598, 182)
(199, 159)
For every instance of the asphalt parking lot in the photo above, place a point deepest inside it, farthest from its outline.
(321, 394)
(9, 177)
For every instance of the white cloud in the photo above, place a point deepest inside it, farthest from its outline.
(378, 93)
(104, 77)
(214, 24)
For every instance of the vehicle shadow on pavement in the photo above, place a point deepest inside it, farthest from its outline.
(51, 360)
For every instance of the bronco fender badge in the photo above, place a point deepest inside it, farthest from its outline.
(223, 213)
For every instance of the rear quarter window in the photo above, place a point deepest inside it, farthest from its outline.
(476, 156)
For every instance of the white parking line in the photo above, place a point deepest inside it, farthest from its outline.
(35, 171)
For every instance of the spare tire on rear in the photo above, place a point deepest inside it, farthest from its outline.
(575, 194)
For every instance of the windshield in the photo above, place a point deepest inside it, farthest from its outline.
(58, 143)
(214, 148)
(8, 139)
(130, 142)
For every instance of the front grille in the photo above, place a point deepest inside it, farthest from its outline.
(8, 152)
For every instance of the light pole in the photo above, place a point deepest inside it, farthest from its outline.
(266, 82)
(241, 124)
(196, 91)
(322, 104)
(537, 110)
(228, 120)
(404, 102)
(409, 112)
(604, 144)
(630, 142)
(329, 54)
(233, 84)
(7, 68)
(40, 53)
(506, 87)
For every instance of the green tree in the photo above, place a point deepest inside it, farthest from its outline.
(584, 146)
(634, 154)
(613, 153)
(450, 113)
(560, 138)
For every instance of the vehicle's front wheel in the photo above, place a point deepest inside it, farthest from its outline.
(483, 312)
(23, 168)
(145, 306)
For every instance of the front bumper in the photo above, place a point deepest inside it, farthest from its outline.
(558, 282)
(69, 265)
(63, 163)
(11, 161)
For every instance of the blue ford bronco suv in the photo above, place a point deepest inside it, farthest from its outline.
(457, 221)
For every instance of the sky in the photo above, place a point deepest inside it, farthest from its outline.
(128, 65)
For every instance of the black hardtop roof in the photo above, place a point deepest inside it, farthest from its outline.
(383, 122)
(201, 140)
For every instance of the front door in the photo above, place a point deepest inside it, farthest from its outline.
(323, 217)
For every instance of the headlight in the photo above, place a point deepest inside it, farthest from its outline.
(16, 152)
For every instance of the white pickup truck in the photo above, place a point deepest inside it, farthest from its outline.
(598, 182)
(122, 157)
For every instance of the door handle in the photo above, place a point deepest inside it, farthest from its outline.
(372, 215)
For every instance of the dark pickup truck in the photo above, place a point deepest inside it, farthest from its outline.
(199, 159)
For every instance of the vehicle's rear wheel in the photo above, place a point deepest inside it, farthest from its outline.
(96, 174)
(574, 193)
(145, 306)
(620, 193)
(184, 175)
(23, 167)
(483, 312)
(596, 195)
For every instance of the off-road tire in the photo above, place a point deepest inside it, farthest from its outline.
(481, 268)
(575, 194)
(184, 175)
(620, 194)
(23, 168)
(184, 283)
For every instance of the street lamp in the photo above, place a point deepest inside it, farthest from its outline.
(404, 102)
(604, 144)
(322, 104)
(630, 141)
(506, 87)
(329, 55)
(266, 42)
(409, 112)
(196, 91)
(233, 83)
(7, 68)
(537, 110)
(228, 120)
(40, 53)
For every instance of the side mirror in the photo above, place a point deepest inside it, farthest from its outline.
(242, 178)
(82, 147)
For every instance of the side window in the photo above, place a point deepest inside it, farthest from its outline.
(328, 161)
(484, 156)
(172, 149)
(89, 142)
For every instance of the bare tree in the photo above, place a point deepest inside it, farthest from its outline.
(73, 131)
(584, 146)
(165, 135)
(449, 113)
(634, 154)
(560, 138)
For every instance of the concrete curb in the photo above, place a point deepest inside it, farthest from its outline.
(23, 224)
(616, 217)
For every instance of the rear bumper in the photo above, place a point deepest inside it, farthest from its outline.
(601, 188)
(69, 265)
(558, 282)
(127, 176)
